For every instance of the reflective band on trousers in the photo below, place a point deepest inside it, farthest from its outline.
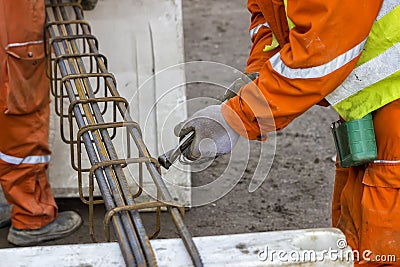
(375, 82)
(256, 28)
(380, 161)
(26, 160)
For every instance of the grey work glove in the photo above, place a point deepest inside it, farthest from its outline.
(213, 135)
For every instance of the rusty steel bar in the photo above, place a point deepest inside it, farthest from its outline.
(130, 232)
(131, 248)
(176, 215)
(122, 194)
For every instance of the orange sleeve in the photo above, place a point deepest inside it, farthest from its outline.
(323, 49)
(263, 37)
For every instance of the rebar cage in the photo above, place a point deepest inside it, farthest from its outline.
(96, 114)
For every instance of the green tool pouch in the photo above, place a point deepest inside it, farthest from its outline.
(355, 141)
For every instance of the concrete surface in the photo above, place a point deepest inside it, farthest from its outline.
(283, 248)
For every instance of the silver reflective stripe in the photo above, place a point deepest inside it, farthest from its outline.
(387, 161)
(256, 28)
(387, 6)
(23, 44)
(319, 71)
(26, 160)
(367, 74)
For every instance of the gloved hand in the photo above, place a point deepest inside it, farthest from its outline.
(213, 135)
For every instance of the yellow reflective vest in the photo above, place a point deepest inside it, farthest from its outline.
(375, 81)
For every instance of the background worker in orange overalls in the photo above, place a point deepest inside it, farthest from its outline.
(24, 119)
(307, 52)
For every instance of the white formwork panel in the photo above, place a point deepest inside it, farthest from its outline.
(139, 38)
(311, 247)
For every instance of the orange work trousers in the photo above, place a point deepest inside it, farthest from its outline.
(366, 199)
(24, 114)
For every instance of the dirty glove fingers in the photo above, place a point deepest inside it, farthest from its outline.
(213, 135)
(206, 148)
(178, 128)
(192, 152)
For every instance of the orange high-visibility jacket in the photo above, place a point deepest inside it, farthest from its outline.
(304, 67)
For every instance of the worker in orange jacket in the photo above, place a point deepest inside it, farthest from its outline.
(308, 52)
(24, 117)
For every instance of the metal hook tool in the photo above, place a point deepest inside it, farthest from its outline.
(169, 157)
